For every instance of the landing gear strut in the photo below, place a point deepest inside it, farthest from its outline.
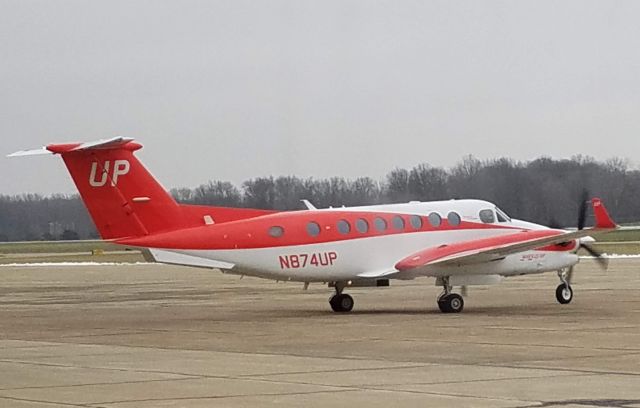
(564, 293)
(449, 302)
(341, 302)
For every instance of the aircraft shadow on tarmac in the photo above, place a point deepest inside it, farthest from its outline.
(497, 311)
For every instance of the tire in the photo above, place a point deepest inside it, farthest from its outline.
(443, 304)
(341, 303)
(456, 303)
(564, 294)
(451, 303)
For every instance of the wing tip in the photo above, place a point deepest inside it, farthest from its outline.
(603, 220)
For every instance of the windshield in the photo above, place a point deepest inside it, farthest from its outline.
(502, 216)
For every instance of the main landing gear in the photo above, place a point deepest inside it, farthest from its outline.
(341, 302)
(564, 293)
(449, 302)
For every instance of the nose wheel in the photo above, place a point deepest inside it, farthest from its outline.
(564, 293)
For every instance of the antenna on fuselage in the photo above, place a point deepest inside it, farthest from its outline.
(308, 204)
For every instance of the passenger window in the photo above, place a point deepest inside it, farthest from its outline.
(453, 218)
(380, 224)
(415, 221)
(313, 229)
(276, 231)
(362, 225)
(344, 227)
(398, 222)
(500, 217)
(435, 220)
(487, 216)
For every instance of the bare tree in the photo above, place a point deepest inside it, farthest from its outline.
(543, 190)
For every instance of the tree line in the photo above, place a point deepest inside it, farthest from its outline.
(544, 190)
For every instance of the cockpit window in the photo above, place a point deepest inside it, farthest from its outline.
(487, 216)
(502, 217)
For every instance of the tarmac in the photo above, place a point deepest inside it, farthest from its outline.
(162, 336)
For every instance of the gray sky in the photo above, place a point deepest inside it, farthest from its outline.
(231, 90)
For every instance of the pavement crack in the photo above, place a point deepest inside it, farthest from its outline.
(217, 397)
(62, 404)
(97, 383)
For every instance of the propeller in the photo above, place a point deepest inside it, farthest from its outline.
(597, 255)
(602, 261)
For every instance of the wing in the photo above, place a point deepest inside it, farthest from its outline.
(490, 249)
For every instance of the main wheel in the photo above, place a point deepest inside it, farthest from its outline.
(451, 303)
(341, 303)
(564, 294)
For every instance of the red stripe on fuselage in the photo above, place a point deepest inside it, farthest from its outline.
(253, 233)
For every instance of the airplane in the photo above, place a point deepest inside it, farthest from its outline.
(458, 242)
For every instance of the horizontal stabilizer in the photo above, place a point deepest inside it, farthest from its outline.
(32, 152)
(111, 143)
(173, 258)
(104, 143)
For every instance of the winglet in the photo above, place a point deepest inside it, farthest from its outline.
(603, 220)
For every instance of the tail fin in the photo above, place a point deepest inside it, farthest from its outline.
(121, 195)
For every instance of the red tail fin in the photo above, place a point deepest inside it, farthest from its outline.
(122, 197)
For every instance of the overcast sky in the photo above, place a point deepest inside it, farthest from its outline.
(231, 90)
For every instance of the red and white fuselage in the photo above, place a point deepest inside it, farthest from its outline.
(387, 234)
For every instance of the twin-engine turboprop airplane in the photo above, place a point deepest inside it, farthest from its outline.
(459, 242)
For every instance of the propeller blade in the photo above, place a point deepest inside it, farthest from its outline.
(582, 213)
(592, 251)
(601, 260)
